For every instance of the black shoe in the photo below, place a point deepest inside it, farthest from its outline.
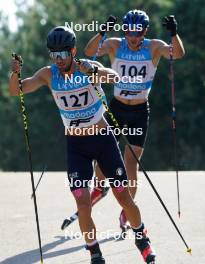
(152, 262)
(97, 259)
(146, 250)
(65, 224)
(151, 259)
(144, 245)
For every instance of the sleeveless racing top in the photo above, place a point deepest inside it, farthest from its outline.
(136, 71)
(78, 103)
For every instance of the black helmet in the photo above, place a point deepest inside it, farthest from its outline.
(61, 38)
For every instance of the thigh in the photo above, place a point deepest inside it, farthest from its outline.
(138, 123)
(99, 174)
(111, 163)
(79, 170)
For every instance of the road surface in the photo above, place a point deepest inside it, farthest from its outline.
(18, 237)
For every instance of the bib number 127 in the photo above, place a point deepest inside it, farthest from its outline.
(75, 100)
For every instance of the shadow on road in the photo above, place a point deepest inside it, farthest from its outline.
(33, 256)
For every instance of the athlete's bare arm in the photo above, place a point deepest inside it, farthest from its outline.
(162, 49)
(109, 47)
(31, 84)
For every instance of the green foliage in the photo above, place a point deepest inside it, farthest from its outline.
(46, 130)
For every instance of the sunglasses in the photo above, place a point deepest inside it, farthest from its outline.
(59, 54)
(135, 33)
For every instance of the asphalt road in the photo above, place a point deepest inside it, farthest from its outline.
(18, 236)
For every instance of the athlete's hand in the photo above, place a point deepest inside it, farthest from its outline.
(108, 25)
(85, 66)
(171, 24)
(16, 63)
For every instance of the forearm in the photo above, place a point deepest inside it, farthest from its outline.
(14, 84)
(92, 46)
(178, 48)
(14, 89)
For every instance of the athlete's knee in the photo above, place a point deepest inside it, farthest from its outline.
(130, 160)
(123, 196)
(78, 193)
(133, 156)
(119, 189)
(82, 196)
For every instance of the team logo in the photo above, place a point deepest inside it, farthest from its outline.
(73, 175)
(126, 93)
(77, 122)
(119, 171)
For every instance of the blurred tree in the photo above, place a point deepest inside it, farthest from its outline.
(46, 130)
